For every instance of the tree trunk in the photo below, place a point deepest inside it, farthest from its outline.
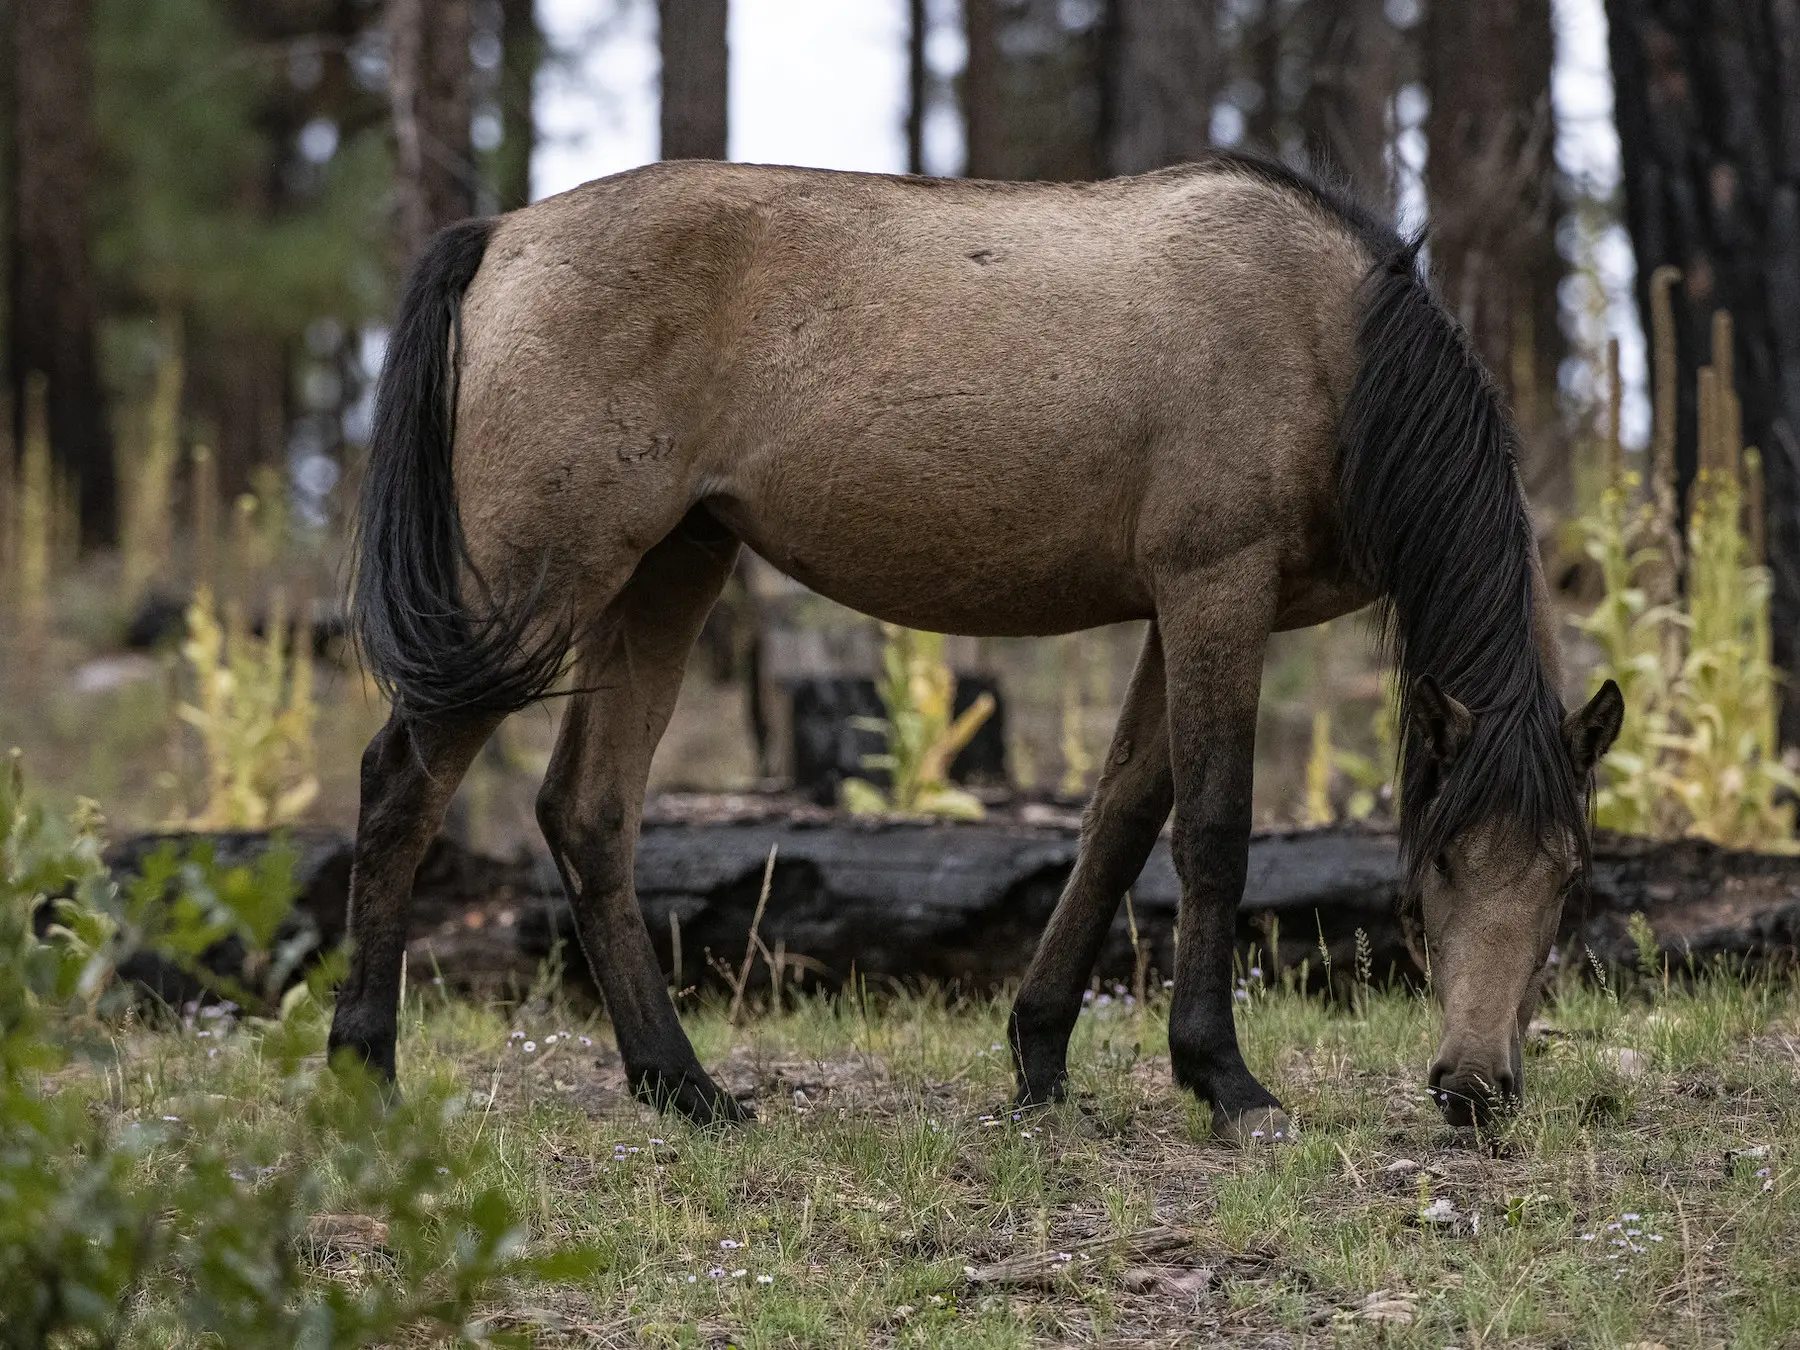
(429, 97)
(1346, 109)
(1491, 187)
(1707, 98)
(1033, 90)
(917, 83)
(54, 310)
(522, 51)
(1162, 73)
(983, 115)
(695, 79)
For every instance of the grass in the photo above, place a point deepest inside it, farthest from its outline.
(884, 1166)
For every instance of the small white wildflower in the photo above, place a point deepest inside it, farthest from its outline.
(1631, 1218)
(1241, 995)
(727, 1245)
(715, 1273)
(765, 1279)
(173, 1119)
(739, 1274)
(693, 1279)
(530, 1047)
(1585, 1237)
(1656, 1237)
(1256, 972)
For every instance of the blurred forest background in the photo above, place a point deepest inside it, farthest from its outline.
(208, 202)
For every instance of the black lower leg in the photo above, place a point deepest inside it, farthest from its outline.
(409, 772)
(1129, 805)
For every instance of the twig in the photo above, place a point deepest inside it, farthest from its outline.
(743, 976)
(675, 948)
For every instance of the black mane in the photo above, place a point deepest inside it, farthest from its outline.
(1436, 523)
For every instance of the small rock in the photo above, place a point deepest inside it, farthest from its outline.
(1627, 1063)
(1400, 1165)
(1386, 1306)
(1439, 1212)
(346, 1233)
(1166, 1279)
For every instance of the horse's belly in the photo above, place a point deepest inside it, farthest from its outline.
(961, 558)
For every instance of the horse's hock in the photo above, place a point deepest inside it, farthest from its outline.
(963, 904)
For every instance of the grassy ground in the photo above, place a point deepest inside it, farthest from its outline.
(1650, 1197)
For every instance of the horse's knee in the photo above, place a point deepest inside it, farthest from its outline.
(587, 837)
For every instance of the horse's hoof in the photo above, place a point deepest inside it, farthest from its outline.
(701, 1100)
(1248, 1129)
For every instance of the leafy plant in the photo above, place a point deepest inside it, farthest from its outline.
(916, 690)
(254, 712)
(99, 1247)
(1685, 630)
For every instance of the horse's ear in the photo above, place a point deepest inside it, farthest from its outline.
(1589, 731)
(1444, 723)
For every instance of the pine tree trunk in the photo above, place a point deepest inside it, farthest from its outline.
(917, 85)
(522, 51)
(1354, 74)
(1490, 180)
(429, 97)
(695, 79)
(983, 113)
(54, 309)
(1707, 99)
(1163, 71)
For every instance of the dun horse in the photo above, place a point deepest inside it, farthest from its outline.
(1218, 397)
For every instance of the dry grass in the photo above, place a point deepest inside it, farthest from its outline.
(883, 1169)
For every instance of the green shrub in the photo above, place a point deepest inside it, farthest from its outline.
(98, 1246)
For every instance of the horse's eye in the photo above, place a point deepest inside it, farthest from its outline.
(1441, 865)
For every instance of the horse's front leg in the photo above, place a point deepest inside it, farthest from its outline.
(1118, 830)
(1214, 632)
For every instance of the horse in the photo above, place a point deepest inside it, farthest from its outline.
(1219, 397)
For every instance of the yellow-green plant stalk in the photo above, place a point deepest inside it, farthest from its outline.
(254, 713)
(36, 505)
(152, 477)
(917, 690)
(1319, 766)
(1078, 763)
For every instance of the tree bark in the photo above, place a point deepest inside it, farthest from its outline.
(522, 51)
(1490, 180)
(983, 113)
(429, 99)
(54, 310)
(917, 83)
(1346, 110)
(1707, 99)
(1162, 73)
(696, 69)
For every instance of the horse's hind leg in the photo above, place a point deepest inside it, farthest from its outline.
(409, 772)
(1119, 829)
(593, 797)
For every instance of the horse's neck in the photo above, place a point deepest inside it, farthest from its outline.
(1543, 618)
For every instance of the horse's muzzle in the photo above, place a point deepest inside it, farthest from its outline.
(1468, 1095)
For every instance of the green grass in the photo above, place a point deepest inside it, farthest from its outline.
(883, 1165)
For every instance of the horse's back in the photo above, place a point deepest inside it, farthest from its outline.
(1022, 391)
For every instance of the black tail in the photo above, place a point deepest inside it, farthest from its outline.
(1437, 525)
(419, 638)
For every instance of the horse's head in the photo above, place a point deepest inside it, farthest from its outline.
(1483, 907)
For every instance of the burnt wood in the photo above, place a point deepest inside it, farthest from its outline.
(963, 904)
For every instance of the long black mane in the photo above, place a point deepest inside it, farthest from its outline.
(1436, 524)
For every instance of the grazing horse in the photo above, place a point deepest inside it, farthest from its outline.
(1219, 397)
